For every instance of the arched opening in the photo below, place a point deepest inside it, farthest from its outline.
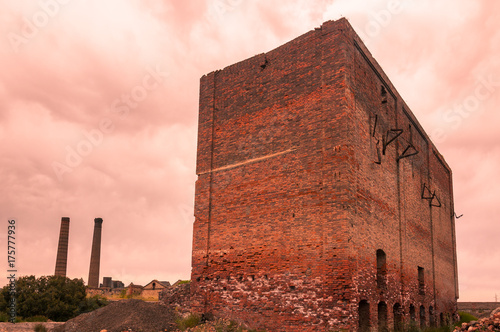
(413, 316)
(382, 317)
(422, 317)
(421, 281)
(381, 269)
(432, 320)
(383, 94)
(397, 311)
(154, 286)
(364, 316)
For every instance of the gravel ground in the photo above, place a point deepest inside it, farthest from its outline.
(126, 315)
(25, 327)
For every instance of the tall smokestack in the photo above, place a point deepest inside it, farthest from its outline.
(95, 256)
(62, 248)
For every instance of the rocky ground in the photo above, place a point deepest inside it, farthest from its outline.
(491, 323)
(126, 315)
(218, 325)
(140, 316)
(163, 316)
(26, 327)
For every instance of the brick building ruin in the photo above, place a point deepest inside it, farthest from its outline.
(321, 204)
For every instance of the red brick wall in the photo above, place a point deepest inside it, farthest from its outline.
(290, 206)
(390, 213)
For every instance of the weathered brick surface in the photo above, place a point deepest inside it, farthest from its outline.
(177, 296)
(307, 165)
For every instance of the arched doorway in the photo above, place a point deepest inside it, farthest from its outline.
(432, 319)
(397, 312)
(381, 269)
(382, 317)
(364, 316)
(422, 317)
(413, 316)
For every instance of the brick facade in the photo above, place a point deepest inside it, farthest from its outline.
(320, 202)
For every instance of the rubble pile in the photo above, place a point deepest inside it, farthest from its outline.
(178, 297)
(128, 315)
(491, 323)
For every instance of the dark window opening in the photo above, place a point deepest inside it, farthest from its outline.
(397, 311)
(422, 317)
(413, 316)
(154, 286)
(381, 269)
(364, 316)
(382, 317)
(383, 94)
(432, 320)
(421, 281)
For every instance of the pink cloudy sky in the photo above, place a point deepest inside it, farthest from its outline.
(99, 102)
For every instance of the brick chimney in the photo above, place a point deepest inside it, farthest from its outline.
(95, 256)
(62, 248)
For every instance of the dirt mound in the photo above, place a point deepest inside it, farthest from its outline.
(126, 315)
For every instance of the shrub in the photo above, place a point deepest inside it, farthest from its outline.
(4, 317)
(37, 318)
(54, 297)
(439, 329)
(222, 325)
(190, 321)
(92, 303)
(124, 295)
(40, 328)
(465, 317)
